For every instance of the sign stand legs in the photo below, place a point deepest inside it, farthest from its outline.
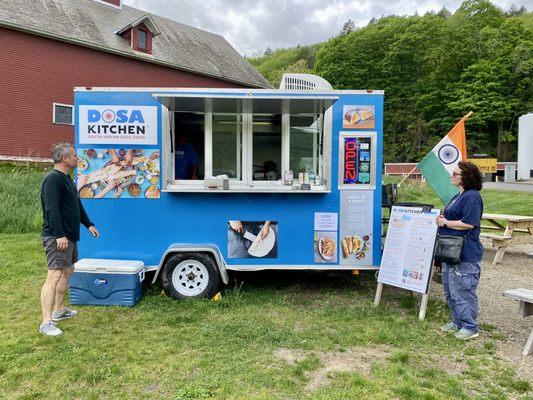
(423, 307)
(528, 349)
(423, 303)
(377, 298)
(425, 297)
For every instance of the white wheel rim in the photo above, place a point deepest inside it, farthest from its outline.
(190, 278)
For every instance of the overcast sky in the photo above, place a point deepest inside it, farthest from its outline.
(253, 25)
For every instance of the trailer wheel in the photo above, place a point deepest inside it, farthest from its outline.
(188, 275)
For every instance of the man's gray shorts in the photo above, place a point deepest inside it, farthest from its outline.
(56, 259)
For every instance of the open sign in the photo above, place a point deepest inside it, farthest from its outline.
(350, 160)
(357, 160)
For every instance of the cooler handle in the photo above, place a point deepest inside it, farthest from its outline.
(141, 276)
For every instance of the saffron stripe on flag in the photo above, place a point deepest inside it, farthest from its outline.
(438, 177)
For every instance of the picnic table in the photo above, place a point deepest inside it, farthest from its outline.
(525, 299)
(509, 230)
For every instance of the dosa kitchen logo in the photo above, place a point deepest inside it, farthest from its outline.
(118, 124)
(121, 122)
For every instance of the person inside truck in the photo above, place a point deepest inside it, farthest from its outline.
(185, 160)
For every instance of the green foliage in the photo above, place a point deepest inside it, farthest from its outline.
(434, 69)
(296, 60)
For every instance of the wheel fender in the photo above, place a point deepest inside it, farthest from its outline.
(190, 248)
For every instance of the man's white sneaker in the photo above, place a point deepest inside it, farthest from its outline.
(50, 329)
(65, 314)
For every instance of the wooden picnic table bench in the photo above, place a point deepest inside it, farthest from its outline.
(525, 308)
(509, 228)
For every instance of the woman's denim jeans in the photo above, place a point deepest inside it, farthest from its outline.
(460, 285)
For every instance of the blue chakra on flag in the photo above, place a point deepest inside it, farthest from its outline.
(448, 153)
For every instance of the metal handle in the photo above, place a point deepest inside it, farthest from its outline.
(141, 276)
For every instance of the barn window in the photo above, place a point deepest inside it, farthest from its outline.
(142, 40)
(63, 114)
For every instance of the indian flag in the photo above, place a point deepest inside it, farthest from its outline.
(438, 165)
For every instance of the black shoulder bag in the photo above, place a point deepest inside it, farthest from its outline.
(448, 248)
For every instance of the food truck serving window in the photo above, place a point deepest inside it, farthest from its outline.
(358, 155)
(243, 144)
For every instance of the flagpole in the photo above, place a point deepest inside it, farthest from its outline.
(413, 170)
(408, 175)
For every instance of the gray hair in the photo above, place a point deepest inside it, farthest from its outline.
(59, 151)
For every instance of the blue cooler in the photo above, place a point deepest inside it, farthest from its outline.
(106, 282)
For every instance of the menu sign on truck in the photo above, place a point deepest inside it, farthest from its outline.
(127, 125)
(408, 253)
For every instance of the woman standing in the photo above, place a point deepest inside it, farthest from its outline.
(462, 217)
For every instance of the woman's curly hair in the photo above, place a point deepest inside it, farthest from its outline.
(470, 176)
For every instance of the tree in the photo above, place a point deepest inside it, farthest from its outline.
(348, 27)
(444, 13)
(270, 66)
(515, 12)
(299, 67)
(434, 69)
(498, 87)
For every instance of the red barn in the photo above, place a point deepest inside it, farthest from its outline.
(51, 46)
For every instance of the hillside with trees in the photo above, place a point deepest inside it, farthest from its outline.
(434, 69)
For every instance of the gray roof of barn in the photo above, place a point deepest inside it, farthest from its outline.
(92, 24)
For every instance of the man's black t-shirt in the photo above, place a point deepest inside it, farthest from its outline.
(62, 208)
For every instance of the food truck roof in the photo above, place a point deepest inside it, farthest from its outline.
(229, 92)
(265, 98)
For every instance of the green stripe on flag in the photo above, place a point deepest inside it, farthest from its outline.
(438, 178)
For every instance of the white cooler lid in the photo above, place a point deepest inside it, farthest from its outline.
(103, 265)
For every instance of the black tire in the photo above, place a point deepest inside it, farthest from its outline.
(184, 285)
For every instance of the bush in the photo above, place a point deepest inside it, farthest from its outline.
(20, 208)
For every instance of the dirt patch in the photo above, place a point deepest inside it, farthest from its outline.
(507, 329)
(358, 359)
(290, 356)
(453, 365)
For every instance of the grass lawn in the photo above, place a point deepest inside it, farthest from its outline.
(277, 336)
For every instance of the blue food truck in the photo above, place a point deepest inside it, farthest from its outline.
(195, 182)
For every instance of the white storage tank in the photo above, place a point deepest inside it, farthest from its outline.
(525, 146)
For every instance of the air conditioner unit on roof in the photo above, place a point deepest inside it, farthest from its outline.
(304, 82)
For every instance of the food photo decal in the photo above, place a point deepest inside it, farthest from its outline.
(358, 117)
(356, 245)
(118, 173)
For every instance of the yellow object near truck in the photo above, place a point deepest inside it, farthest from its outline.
(486, 165)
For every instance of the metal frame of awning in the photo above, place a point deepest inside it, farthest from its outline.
(312, 102)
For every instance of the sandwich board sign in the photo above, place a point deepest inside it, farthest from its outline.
(408, 253)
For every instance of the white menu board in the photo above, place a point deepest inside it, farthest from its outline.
(408, 253)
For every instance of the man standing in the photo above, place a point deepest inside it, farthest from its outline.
(62, 215)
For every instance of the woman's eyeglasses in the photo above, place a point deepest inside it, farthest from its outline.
(456, 173)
